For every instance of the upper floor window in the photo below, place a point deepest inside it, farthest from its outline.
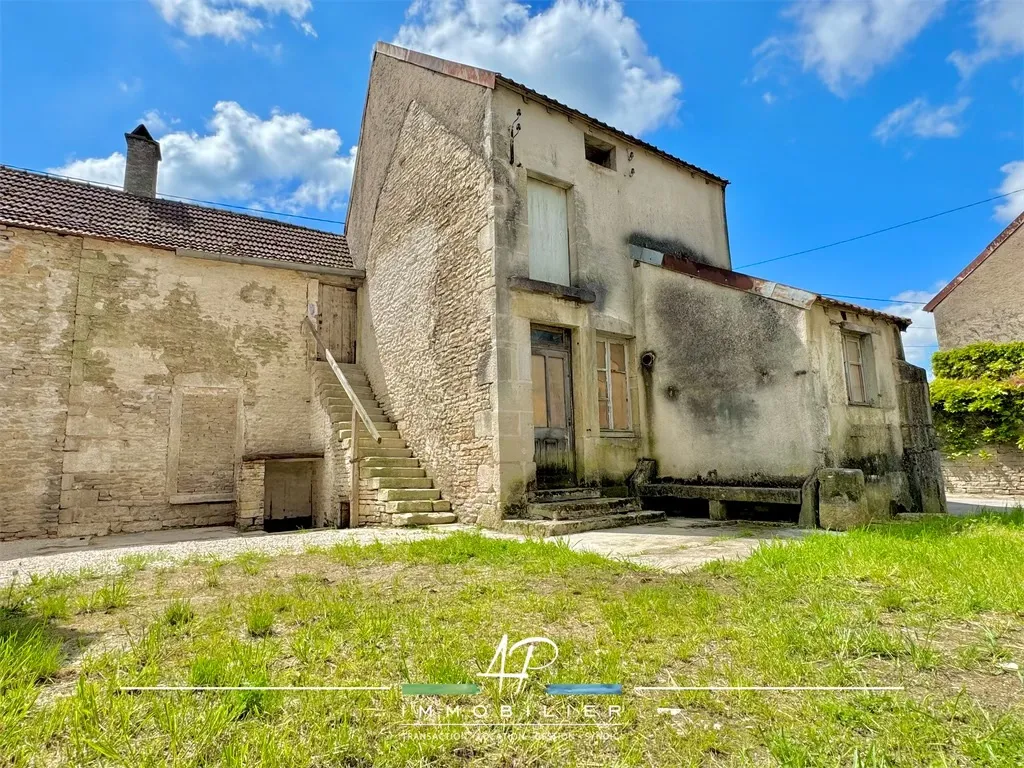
(599, 152)
(858, 357)
(548, 213)
(615, 413)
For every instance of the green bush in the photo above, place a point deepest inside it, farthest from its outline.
(978, 396)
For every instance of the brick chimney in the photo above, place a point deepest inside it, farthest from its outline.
(143, 157)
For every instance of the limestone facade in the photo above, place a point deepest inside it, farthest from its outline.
(136, 382)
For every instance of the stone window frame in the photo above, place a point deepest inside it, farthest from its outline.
(864, 339)
(614, 431)
(570, 205)
(200, 384)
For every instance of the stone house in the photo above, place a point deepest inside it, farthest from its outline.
(531, 320)
(550, 316)
(985, 302)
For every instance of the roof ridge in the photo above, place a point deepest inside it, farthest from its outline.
(1007, 232)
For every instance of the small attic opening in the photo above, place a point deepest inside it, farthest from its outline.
(599, 152)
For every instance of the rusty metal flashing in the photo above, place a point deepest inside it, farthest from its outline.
(736, 280)
(465, 72)
(739, 281)
(1001, 238)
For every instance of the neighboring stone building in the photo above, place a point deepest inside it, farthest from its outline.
(538, 324)
(549, 310)
(154, 371)
(985, 302)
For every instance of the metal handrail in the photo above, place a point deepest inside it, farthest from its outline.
(356, 405)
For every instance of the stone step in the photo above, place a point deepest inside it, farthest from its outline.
(409, 494)
(396, 507)
(380, 483)
(391, 453)
(343, 402)
(386, 430)
(393, 472)
(565, 527)
(336, 390)
(341, 416)
(549, 495)
(581, 509)
(405, 519)
(366, 443)
(390, 461)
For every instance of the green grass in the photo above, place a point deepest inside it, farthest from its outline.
(934, 606)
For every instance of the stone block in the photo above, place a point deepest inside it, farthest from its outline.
(842, 500)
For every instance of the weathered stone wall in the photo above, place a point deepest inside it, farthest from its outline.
(732, 395)
(151, 375)
(921, 457)
(38, 285)
(429, 298)
(999, 472)
(987, 305)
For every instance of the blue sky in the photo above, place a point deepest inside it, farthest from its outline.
(829, 118)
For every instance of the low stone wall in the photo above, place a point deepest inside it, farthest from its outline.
(999, 473)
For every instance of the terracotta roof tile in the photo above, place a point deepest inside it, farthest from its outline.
(36, 201)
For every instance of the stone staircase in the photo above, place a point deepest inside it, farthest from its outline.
(572, 510)
(393, 488)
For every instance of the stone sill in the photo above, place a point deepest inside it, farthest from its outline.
(201, 498)
(615, 434)
(580, 295)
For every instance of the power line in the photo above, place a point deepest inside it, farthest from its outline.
(868, 298)
(886, 229)
(182, 197)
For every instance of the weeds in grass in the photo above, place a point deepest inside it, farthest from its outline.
(115, 593)
(179, 613)
(259, 620)
(252, 561)
(135, 563)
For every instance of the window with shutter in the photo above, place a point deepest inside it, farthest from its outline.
(615, 413)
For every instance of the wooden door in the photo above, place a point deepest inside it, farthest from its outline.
(338, 322)
(288, 494)
(553, 444)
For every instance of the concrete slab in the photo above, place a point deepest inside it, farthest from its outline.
(965, 504)
(682, 544)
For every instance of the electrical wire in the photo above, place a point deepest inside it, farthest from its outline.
(885, 229)
(869, 298)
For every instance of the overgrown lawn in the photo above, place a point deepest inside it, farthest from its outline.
(934, 606)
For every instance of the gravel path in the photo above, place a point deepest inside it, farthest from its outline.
(105, 554)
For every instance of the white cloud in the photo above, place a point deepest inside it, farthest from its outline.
(919, 340)
(921, 119)
(998, 31)
(1011, 206)
(846, 41)
(157, 123)
(281, 162)
(768, 97)
(229, 19)
(585, 53)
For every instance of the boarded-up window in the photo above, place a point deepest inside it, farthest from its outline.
(549, 232)
(204, 438)
(613, 387)
(856, 378)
